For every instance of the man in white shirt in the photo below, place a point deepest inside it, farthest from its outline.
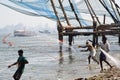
(106, 47)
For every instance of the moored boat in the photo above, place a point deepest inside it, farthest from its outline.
(24, 33)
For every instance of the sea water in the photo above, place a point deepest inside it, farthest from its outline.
(45, 60)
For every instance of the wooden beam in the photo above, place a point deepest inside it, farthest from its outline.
(100, 27)
(108, 26)
(91, 33)
(87, 27)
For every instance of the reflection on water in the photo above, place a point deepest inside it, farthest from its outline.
(61, 57)
(70, 56)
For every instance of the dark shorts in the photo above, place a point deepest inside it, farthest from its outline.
(17, 74)
(102, 56)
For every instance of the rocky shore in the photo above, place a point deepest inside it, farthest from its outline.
(107, 74)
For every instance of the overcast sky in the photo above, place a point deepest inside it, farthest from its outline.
(9, 16)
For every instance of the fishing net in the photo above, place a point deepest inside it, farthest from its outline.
(75, 10)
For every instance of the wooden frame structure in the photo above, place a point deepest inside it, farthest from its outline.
(101, 29)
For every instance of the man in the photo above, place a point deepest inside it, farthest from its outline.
(21, 64)
(106, 47)
(92, 50)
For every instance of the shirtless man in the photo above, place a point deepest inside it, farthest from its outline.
(92, 50)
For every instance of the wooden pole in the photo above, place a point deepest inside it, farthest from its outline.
(70, 37)
(95, 36)
(59, 27)
(64, 12)
(119, 39)
(77, 18)
(55, 11)
(116, 6)
(104, 5)
(104, 19)
(89, 9)
(93, 11)
(60, 35)
(114, 10)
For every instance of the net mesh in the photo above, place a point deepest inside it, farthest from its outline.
(44, 8)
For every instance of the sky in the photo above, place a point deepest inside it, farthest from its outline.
(11, 17)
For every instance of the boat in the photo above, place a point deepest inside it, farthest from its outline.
(44, 31)
(24, 33)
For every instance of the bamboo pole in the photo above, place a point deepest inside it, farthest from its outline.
(59, 26)
(93, 12)
(114, 9)
(104, 19)
(117, 7)
(104, 5)
(119, 37)
(55, 11)
(64, 12)
(89, 9)
(72, 7)
(70, 37)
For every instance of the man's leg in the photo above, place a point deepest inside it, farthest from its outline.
(89, 59)
(95, 59)
(108, 63)
(101, 65)
(17, 75)
(14, 76)
(102, 58)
